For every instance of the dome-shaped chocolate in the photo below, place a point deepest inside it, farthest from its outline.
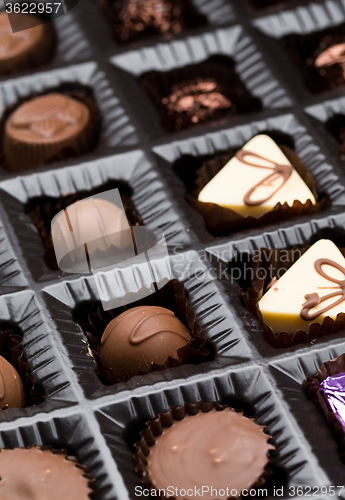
(41, 474)
(44, 127)
(11, 386)
(141, 336)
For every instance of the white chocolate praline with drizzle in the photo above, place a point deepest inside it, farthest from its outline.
(282, 305)
(257, 178)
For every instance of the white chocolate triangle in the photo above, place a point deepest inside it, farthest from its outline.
(229, 187)
(282, 304)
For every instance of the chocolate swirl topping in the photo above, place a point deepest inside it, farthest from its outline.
(313, 299)
(282, 172)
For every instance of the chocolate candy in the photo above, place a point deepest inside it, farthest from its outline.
(222, 449)
(11, 387)
(41, 474)
(309, 291)
(86, 231)
(196, 101)
(256, 179)
(333, 392)
(134, 17)
(42, 128)
(26, 48)
(141, 336)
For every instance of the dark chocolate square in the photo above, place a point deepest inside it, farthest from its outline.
(43, 210)
(199, 93)
(322, 67)
(134, 19)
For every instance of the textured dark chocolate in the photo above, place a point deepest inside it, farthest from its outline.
(27, 48)
(41, 474)
(141, 336)
(219, 449)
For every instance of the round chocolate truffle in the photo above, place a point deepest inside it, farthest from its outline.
(11, 386)
(42, 128)
(222, 449)
(27, 48)
(141, 336)
(195, 101)
(41, 474)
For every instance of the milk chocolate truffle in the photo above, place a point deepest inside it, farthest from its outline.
(196, 101)
(222, 449)
(141, 336)
(24, 49)
(41, 474)
(42, 128)
(11, 386)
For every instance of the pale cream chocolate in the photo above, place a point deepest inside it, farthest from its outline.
(309, 291)
(256, 179)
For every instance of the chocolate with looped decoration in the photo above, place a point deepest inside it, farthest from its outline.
(314, 299)
(278, 171)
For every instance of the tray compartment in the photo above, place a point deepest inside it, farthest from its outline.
(185, 156)
(116, 129)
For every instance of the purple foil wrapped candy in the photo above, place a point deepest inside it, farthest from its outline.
(333, 392)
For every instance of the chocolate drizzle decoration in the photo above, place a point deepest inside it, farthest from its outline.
(282, 172)
(314, 299)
